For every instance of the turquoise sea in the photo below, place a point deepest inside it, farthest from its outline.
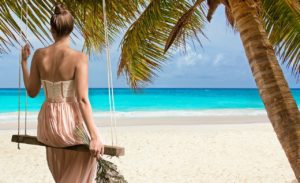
(152, 99)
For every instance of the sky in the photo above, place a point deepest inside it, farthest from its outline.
(221, 63)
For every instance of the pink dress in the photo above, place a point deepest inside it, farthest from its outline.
(57, 119)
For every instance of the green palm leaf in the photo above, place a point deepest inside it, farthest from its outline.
(143, 44)
(88, 17)
(282, 22)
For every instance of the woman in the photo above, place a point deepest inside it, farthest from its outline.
(63, 73)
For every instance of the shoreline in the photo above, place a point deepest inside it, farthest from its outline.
(197, 112)
(142, 118)
(155, 121)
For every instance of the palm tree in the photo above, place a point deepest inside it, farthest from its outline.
(267, 28)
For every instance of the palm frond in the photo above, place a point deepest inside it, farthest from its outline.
(183, 21)
(282, 22)
(142, 48)
(25, 11)
(88, 17)
(229, 18)
(212, 6)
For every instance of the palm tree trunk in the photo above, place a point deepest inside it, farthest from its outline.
(274, 91)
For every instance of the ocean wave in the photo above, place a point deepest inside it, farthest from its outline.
(186, 113)
(32, 116)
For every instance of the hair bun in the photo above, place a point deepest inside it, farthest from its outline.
(59, 9)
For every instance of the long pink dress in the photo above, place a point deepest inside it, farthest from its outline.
(57, 120)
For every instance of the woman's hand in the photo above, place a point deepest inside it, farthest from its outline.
(96, 147)
(25, 53)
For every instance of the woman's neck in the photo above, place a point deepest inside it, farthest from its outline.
(63, 41)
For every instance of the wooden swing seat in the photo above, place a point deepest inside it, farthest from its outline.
(32, 140)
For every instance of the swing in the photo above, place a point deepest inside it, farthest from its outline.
(111, 150)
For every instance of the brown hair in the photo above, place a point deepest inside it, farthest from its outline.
(62, 22)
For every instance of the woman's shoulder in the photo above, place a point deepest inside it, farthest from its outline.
(39, 52)
(79, 55)
(43, 50)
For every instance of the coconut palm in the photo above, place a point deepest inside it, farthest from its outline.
(156, 27)
(266, 28)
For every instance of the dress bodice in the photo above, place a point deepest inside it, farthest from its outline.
(59, 89)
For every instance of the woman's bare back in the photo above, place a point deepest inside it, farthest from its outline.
(57, 63)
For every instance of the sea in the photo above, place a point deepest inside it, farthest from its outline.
(149, 102)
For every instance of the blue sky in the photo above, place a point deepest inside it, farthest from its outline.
(221, 63)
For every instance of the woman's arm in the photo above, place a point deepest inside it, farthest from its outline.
(32, 82)
(81, 83)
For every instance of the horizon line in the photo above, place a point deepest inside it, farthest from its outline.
(163, 88)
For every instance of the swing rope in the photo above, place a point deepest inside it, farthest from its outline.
(113, 121)
(19, 89)
(20, 61)
(26, 96)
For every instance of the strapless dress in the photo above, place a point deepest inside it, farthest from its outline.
(57, 119)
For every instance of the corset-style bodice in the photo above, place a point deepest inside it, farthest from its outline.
(59, 90)
(60, 114)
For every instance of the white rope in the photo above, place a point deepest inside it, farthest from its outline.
(113, 103)
(26, 96)
(109, 78)
(19, 83)
(19, 89)
(107, 68)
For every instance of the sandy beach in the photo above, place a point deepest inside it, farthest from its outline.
(171, 150)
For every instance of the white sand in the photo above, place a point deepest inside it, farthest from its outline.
(193, 153)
